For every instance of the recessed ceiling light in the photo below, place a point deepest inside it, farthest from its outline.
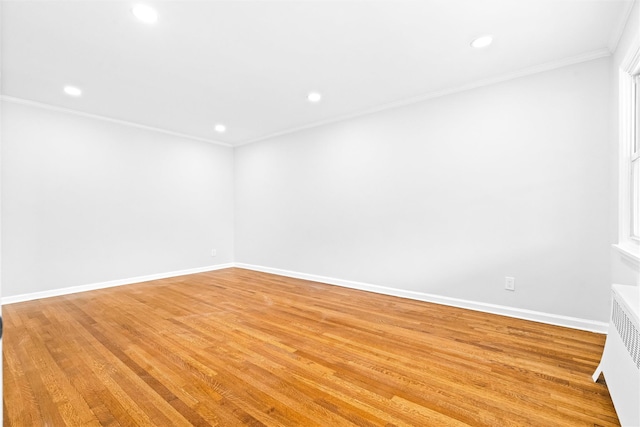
(220, 128)
(72, 91)
(145, 13)
(314, 97)
(481, 42)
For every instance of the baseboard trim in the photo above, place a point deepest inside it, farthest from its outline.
(518, 313)
(109, 284)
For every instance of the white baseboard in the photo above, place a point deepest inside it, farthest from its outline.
(518, 313)
(109, 284)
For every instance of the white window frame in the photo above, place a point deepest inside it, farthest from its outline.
(629, 122)
(635, 161)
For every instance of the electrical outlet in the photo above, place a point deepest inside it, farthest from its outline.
(214, 252)
(510, 283)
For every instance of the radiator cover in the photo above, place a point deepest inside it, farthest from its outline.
(621, 357)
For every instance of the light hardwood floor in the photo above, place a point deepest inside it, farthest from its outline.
(235, 347)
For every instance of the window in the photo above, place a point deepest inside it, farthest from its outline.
(635, 161)
(629, 198)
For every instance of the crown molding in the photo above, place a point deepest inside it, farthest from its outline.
(50, 107)
(589, 56)
(617, 32)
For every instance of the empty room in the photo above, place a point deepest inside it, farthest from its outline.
(320, 213)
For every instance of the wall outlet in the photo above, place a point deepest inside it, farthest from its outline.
(510, 283)
(214, 252)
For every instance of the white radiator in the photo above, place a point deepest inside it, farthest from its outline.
(621, 357)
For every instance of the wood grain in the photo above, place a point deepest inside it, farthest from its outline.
(236, 347)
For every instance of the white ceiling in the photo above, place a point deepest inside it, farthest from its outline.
(250, 64)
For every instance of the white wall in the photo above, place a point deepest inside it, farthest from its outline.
(87, 201)
(448, 196)
(444, 197)
(623, 270)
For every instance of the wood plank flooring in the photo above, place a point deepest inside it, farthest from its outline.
(236, 347)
